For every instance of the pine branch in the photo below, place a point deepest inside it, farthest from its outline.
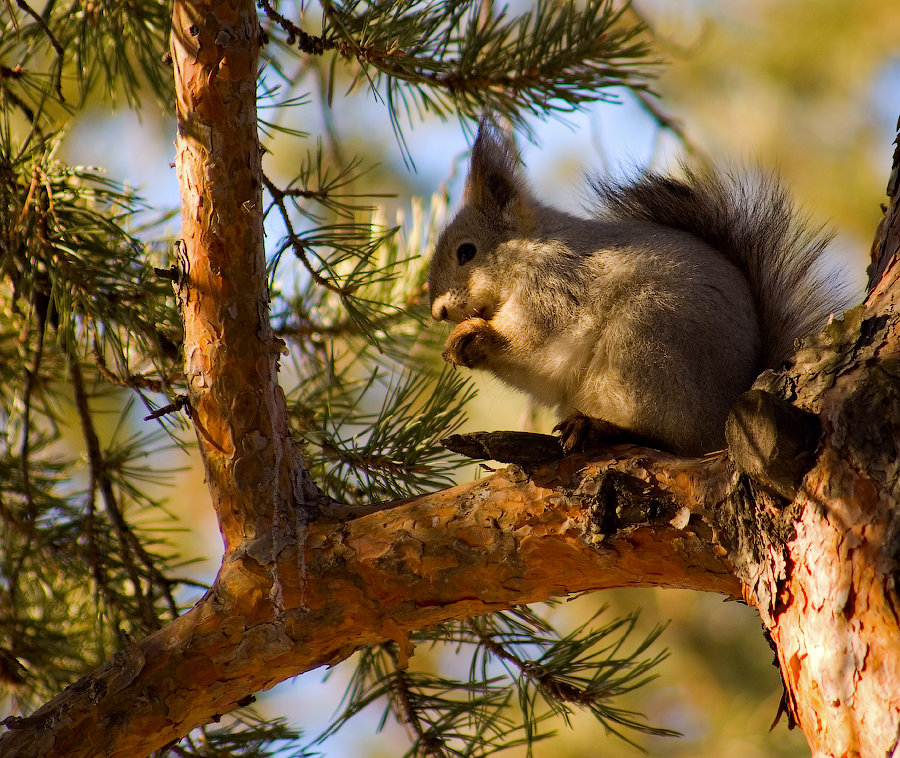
(306, 43)
(135, 556)
(298, 245)
(405, 703)
(95, 564)
(394, 451)
(100, 479)
(582, 668)
(134, 381)
(454, 57)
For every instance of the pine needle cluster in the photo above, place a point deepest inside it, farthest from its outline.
(523, 678)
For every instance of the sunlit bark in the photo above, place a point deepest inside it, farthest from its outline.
(836, 622)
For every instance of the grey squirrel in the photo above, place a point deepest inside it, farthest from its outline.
(643, 323)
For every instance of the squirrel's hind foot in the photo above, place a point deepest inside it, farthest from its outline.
(579, 432)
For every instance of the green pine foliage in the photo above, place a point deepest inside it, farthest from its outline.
(524, 678)
(90, 343)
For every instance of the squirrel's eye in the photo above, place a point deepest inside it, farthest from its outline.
(465, 252)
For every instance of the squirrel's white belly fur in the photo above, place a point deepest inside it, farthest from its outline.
(562, 359)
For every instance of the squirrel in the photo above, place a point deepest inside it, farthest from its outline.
(642, 323)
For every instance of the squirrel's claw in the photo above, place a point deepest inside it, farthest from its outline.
(579, 432)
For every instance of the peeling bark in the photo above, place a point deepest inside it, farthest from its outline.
(305, 582)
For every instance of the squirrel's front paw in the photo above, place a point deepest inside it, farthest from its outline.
(471, 343)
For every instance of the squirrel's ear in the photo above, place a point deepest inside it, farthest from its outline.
(495, 181)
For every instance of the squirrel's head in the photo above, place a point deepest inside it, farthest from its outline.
(471, 259)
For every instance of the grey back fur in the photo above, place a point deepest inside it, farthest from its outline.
(752, 220)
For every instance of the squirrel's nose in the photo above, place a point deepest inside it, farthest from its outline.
(439, 309)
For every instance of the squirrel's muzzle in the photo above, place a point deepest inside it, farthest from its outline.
(439, 308)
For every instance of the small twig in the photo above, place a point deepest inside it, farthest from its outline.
(552, 686)
(98, 573)
(131, 545)
(409, 715)
(24, 107)
(163, 582)
(41, 308)
(308, 327)
(306, 194)
(60, 53)
(345, 45)
(17, 72)
(367, 462)
(134, 381)
(666, 121)
(104, 484)
(30, 522)
(181, 401)
(297, 245)
(172, 273)
(306, 42)
(496, 648)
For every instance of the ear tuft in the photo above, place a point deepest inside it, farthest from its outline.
(495, 180)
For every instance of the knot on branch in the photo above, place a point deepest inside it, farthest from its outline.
(620, 501)
(772, 441)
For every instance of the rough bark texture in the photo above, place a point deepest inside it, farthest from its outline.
(504, 540)
(230, 350)
(304, 583)
(828, 593)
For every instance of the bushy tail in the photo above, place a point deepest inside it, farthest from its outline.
(752, 220)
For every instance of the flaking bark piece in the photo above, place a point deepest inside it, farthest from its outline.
(506, 447)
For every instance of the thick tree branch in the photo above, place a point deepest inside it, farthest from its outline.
(637, 519)
(886, 246)
(230, 351)
(834, 613)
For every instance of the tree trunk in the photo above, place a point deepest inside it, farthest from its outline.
(834, 619)
(802, 523)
